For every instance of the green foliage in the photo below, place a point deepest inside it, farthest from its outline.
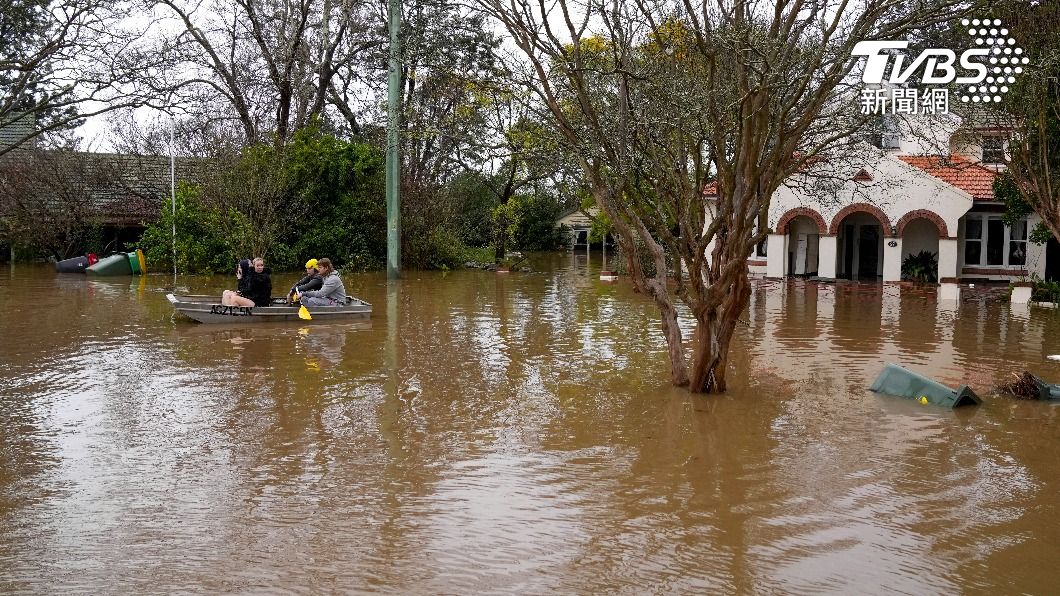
(474, 202)
(505, 225)
(202, 247)
(1016, 207)
(536, 223)
(319, 196)
(601, 228)
(1044, 290)
(922, 266)
(339, 185)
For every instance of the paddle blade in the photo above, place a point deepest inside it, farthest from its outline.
(303, 313)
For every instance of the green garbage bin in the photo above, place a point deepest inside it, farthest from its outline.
(895, 380)
(134, 262)
(1045, 390)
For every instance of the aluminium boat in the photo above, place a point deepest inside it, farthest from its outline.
(208, 309)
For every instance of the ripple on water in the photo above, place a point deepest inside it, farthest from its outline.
(518, 435)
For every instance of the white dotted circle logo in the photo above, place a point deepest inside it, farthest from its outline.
(1004, 57)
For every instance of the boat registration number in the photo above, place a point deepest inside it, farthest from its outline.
(235, 311)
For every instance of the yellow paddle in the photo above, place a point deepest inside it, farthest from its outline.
(303, 312)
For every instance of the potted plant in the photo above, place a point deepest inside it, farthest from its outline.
(921, 267)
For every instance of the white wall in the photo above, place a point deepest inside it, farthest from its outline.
(926, 135)
(897, 188)
(920, 234)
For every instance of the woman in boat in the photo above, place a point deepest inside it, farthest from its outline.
(331, 293)
(255, 286)
(311, 281)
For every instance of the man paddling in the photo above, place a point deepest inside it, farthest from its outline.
(311, 281)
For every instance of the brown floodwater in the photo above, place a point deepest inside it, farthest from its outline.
(517, 434)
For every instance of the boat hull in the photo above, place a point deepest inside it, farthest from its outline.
(208, 309)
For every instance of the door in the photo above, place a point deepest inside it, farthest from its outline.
(848, 251)
(1052, 260)
(868, 251)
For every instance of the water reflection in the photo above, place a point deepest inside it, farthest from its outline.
(516, 433)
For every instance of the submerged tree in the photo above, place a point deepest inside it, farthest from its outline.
(658, 99)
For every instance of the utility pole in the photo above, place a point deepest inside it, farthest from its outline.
(393, 147)
(173, 192)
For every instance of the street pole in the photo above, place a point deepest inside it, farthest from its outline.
(393, 146)
(173, 194)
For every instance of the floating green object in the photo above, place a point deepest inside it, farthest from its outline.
(113, 265)
(895, 380)
(1029, 386)
(1046, 390)
(134, 263)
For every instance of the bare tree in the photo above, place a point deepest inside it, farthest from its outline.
(270, 66)
(658, 99)
(60, 62)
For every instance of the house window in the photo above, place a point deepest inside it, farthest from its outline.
(1017, 243)
(760, 250)
(993, 150)
(988, 241)
(973, 240)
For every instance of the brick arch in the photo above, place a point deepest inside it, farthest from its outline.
(862, 208)
(787, 218)
(931, 216)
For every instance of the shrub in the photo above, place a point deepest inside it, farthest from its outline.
(202, 246)
(922, 266)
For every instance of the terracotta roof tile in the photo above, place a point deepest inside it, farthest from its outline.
(957, 171)
(711, 190)
(863, 176)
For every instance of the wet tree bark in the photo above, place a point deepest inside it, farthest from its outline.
(713, 335)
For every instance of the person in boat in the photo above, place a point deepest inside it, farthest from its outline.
(311, 281)
(254, 288)
(331, 292)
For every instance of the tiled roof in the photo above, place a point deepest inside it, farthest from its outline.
(711, 190)
(957, 171)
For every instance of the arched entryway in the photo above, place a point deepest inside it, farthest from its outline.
(803, 227)
(860, 230)
(920, 232)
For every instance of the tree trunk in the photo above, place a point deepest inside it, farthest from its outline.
(674, 344)
(713, 335)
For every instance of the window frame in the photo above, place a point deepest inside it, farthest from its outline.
(995, 155)
(984, 236)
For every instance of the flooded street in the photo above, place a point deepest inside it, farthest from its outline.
(516, 434)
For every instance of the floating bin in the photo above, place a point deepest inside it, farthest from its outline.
(134, 263)
(1046, 390)
(74, 265)
(895, 380)
(113, 265)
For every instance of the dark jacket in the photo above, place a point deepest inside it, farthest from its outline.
(307, 283)
(243, 285)
(258, 287)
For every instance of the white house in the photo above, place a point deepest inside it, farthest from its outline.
(896, 200)
(580, 223)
